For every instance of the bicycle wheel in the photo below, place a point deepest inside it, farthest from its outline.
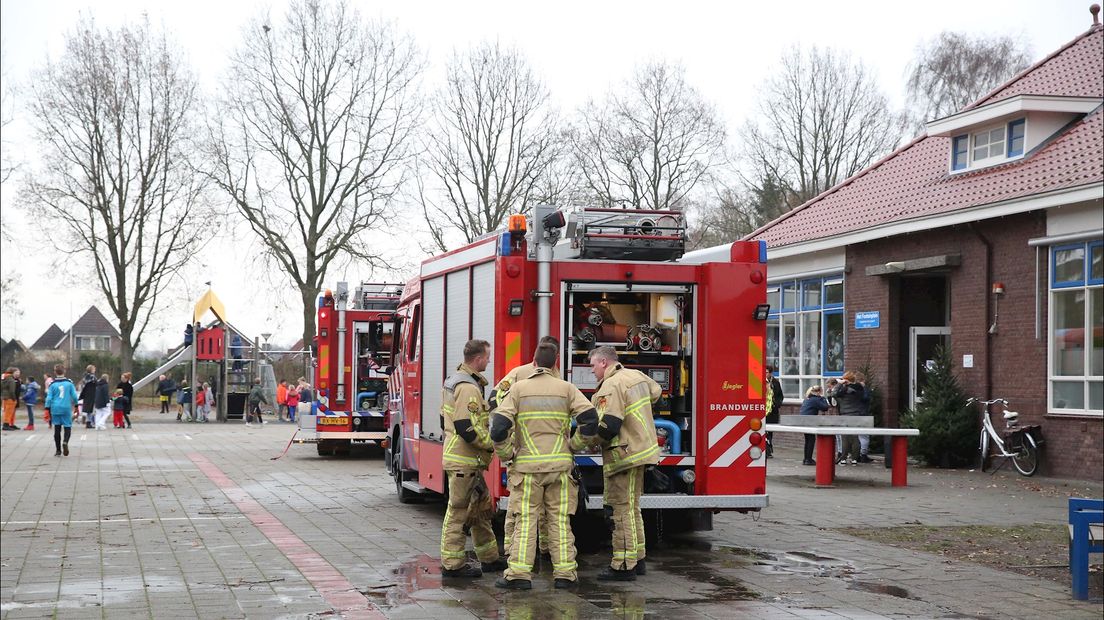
(1026, 456)
(983, 454)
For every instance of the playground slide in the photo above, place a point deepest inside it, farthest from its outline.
(182, 356)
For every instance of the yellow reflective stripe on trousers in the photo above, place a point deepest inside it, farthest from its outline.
(525, 564)
(631, 517)
(485, 546)
(564, 487)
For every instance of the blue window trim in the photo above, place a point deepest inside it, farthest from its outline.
(960, 157)
(1054, 265)
(824, 344)
(805, 283)
(1088, 263)
(1008, 138)
(826, 305)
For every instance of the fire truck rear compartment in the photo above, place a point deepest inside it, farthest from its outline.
(651, 327)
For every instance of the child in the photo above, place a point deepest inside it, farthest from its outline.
(201, 402)
(208, 400)
(292, 402)
(119, 408)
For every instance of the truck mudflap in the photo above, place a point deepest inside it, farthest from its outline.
(664, 501)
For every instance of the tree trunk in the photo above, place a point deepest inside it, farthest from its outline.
(309, 317)
(126, 354)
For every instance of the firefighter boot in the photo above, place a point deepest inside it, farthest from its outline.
(514, 584)
(464, 572)
(493, 567)
(613, 574)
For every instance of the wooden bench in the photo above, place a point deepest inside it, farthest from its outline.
(1086, 529)
(826, 448)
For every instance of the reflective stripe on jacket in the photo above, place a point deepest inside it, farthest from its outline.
(540, 407)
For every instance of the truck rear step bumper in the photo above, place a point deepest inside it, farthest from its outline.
(674, 501)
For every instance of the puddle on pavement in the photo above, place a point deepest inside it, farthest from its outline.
(879, 588)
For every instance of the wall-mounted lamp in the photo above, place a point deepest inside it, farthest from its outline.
(895, 266)
(762, 311)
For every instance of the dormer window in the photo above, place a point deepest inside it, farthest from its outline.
(997, 132)
(994, 144)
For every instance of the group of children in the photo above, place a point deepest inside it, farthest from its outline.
(204, 398)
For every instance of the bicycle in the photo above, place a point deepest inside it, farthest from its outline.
(1019, 443)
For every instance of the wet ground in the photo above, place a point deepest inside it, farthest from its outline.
(190, 521)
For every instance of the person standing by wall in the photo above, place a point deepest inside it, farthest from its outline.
(813, 404)
(9, 394)
(774, 403)
(30, 399)
(61, 400)
(128, 391)
(848, 395)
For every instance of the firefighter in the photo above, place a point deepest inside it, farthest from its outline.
(497, 396)
(467, 453)
(533, 425)
(627, 433)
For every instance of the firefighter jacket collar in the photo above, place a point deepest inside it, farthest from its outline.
(612, 370)
(465, 374)
(540, 371)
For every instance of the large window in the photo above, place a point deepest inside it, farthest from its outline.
(805, 332)
(92, 343)
(1077, 328)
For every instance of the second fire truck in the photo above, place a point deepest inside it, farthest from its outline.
(353, 352)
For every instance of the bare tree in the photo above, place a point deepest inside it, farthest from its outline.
(736, 210)
(822, 118)
(314, 137)
(114, 123)
(492, 142)
(650, 144)
(954, 70)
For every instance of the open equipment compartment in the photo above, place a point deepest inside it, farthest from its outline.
(651, 326)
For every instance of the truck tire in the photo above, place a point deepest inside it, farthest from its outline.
(406, 496)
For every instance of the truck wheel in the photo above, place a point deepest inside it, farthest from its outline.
(406, 496)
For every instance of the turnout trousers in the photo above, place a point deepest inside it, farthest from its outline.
(459, 513)
(622, 495)
(508, 526)
(555, 496)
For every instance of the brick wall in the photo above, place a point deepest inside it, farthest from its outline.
(1018, 359)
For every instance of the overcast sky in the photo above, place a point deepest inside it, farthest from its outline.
(580, 49)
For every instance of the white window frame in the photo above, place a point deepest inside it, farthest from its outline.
(972, 135)
(1087, 285)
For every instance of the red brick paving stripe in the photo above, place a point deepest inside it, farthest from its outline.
(327, 580)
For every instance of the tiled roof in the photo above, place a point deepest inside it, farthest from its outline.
(93, 323)
(914, 182)
(49, 338)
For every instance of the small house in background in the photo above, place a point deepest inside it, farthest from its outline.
(91, 332)
(10, 350)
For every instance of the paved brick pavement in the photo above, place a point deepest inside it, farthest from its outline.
(195, 521)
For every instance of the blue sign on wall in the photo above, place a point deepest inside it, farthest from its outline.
(868, 320)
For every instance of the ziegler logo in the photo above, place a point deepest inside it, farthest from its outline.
(731, 386)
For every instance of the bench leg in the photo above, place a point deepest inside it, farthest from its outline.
(825, 459)
(1079, 562)
(900, 462)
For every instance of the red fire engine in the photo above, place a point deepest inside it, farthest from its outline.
(694, 322)
(353, 351)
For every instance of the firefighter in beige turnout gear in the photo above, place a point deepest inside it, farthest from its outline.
(467, 452)
(626, 431)
(498, 395)
(533, 424)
